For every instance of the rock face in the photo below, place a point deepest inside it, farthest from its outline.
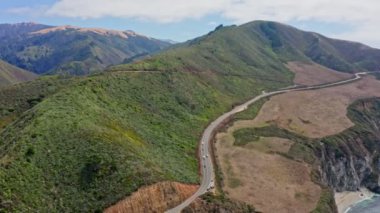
(155, 198)
(351, 159)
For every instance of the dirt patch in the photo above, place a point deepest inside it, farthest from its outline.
(314, 74)
(270, 182)
(314, 113)
(155, 198)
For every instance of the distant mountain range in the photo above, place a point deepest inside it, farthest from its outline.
(10, 74)
(45, 49)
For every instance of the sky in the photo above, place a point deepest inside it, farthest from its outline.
(180, 20)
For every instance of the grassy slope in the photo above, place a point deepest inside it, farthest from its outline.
(294, 44)
(105, 136)
(93, 143)
(16, 99)
(10, 74)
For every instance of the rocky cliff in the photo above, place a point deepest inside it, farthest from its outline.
(351, 159)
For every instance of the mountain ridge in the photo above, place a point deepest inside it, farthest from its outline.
(73, 50)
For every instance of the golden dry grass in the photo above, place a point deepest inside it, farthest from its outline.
(314, 74)
(315, 113)
(270, 182)
(257, 175)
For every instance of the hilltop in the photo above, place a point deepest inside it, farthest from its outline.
(46, 49)
(96, 141)
(260, 45)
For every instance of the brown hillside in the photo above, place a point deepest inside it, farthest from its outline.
(10, 74)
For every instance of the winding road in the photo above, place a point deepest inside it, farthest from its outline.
(207, 167)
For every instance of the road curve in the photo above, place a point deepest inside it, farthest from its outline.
(207, 167)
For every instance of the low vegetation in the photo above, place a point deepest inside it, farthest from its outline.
(102, 137)
(16, 99)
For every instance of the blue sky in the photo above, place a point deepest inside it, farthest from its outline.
(182, 19)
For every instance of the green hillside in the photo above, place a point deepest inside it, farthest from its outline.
(67, 49)
(18, 98)
(294, 44)
(260, 48)
(10, 74)
(96, 141)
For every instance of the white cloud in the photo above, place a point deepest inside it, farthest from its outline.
(363, 15)
(32, 11)
(286, 10)
(367, 33)
(156, 10)
(237, 10)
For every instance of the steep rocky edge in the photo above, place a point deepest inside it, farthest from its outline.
(351, 159)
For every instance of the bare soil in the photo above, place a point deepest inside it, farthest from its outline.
(155, 198)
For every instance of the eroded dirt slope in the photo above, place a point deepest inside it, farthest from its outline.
(155, 198)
